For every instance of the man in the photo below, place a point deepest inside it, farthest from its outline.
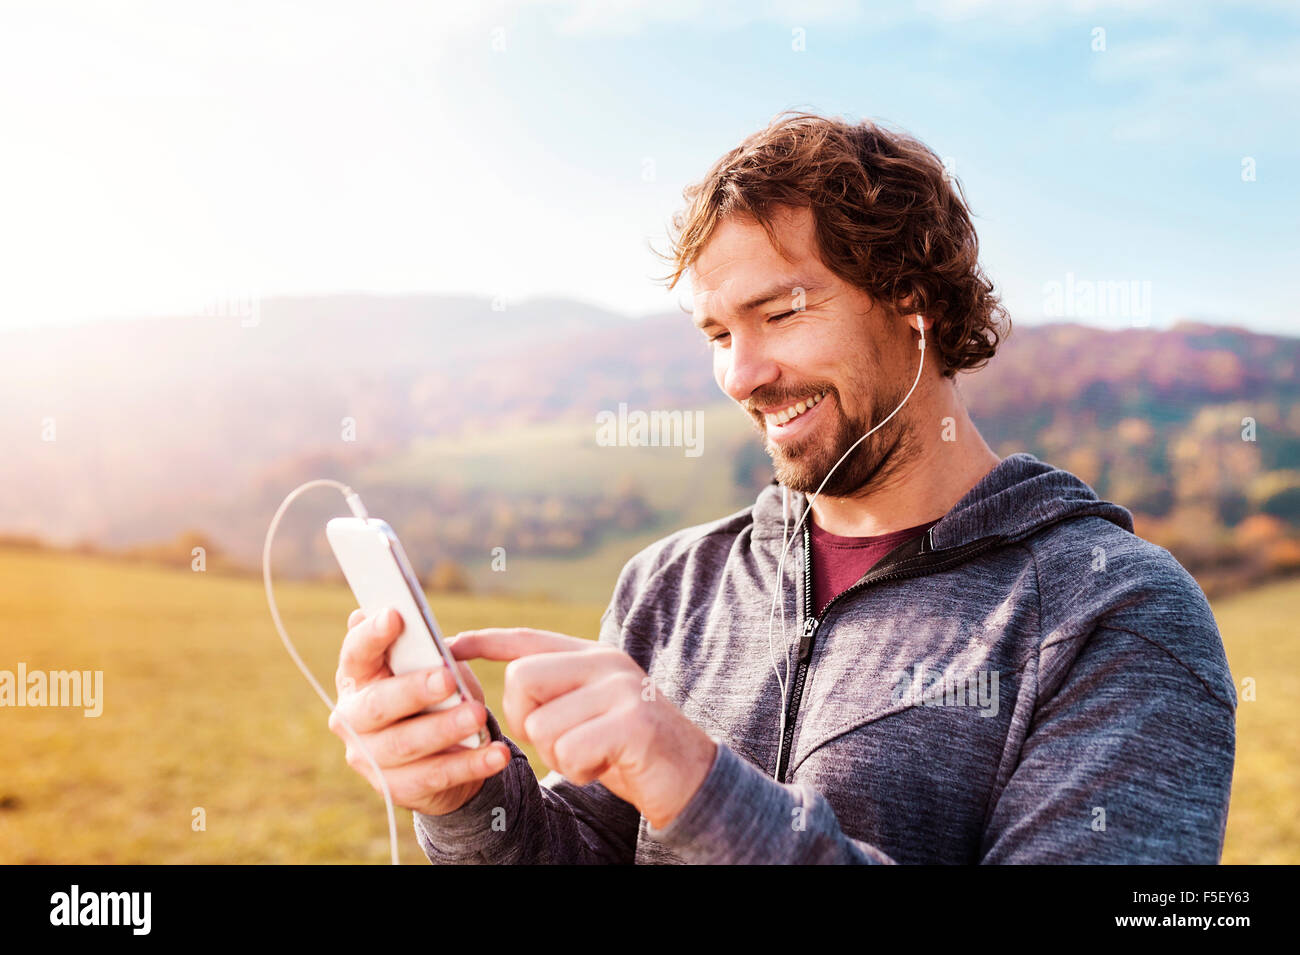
(967, 660)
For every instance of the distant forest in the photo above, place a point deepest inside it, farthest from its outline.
(1195, 429)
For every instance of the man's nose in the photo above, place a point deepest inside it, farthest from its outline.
(747, 366)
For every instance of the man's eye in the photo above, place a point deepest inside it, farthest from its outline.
(719, 337)
(777, 318)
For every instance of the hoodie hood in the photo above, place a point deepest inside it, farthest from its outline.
(1020, 496)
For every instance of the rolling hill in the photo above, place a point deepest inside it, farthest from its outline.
(471, 428)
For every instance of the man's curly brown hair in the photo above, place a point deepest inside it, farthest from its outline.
(886, 219)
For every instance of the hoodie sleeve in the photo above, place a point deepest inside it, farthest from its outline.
(1129, 760)
(740, 815)
(514, 818)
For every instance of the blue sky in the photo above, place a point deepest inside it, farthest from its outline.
(160, 156)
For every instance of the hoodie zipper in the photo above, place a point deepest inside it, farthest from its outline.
(876, 574)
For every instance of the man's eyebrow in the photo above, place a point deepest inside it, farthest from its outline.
(784, 289)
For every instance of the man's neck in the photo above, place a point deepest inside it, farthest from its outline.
(925, 486)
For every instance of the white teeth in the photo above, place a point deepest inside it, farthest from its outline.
(788, 414)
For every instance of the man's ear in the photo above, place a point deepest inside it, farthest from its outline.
(906, 308)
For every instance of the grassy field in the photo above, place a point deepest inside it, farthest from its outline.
(563, 454)
(202, 708)
(1262, 638)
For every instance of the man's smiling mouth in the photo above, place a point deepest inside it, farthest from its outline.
(789, 413)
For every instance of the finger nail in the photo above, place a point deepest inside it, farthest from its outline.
(386, 619)
(495, 758)
(465, 719)
(437, 680)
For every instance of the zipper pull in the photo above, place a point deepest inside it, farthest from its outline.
(806, 641)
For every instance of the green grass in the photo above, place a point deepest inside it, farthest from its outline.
(202, 708)
(588, 577)
(563, 456)
(1260, 634)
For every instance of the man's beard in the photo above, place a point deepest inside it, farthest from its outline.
(802, 465)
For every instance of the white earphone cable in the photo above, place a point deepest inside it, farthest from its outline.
(354, 503)
(778, 591)
(358, 509)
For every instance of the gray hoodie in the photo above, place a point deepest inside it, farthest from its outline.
(1027, 682)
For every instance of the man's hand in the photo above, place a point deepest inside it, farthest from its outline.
(593, 713)
(426, 769)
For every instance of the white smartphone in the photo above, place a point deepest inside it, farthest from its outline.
(380, 576)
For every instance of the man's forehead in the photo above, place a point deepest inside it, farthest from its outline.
(739, 244)
(740, 268)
